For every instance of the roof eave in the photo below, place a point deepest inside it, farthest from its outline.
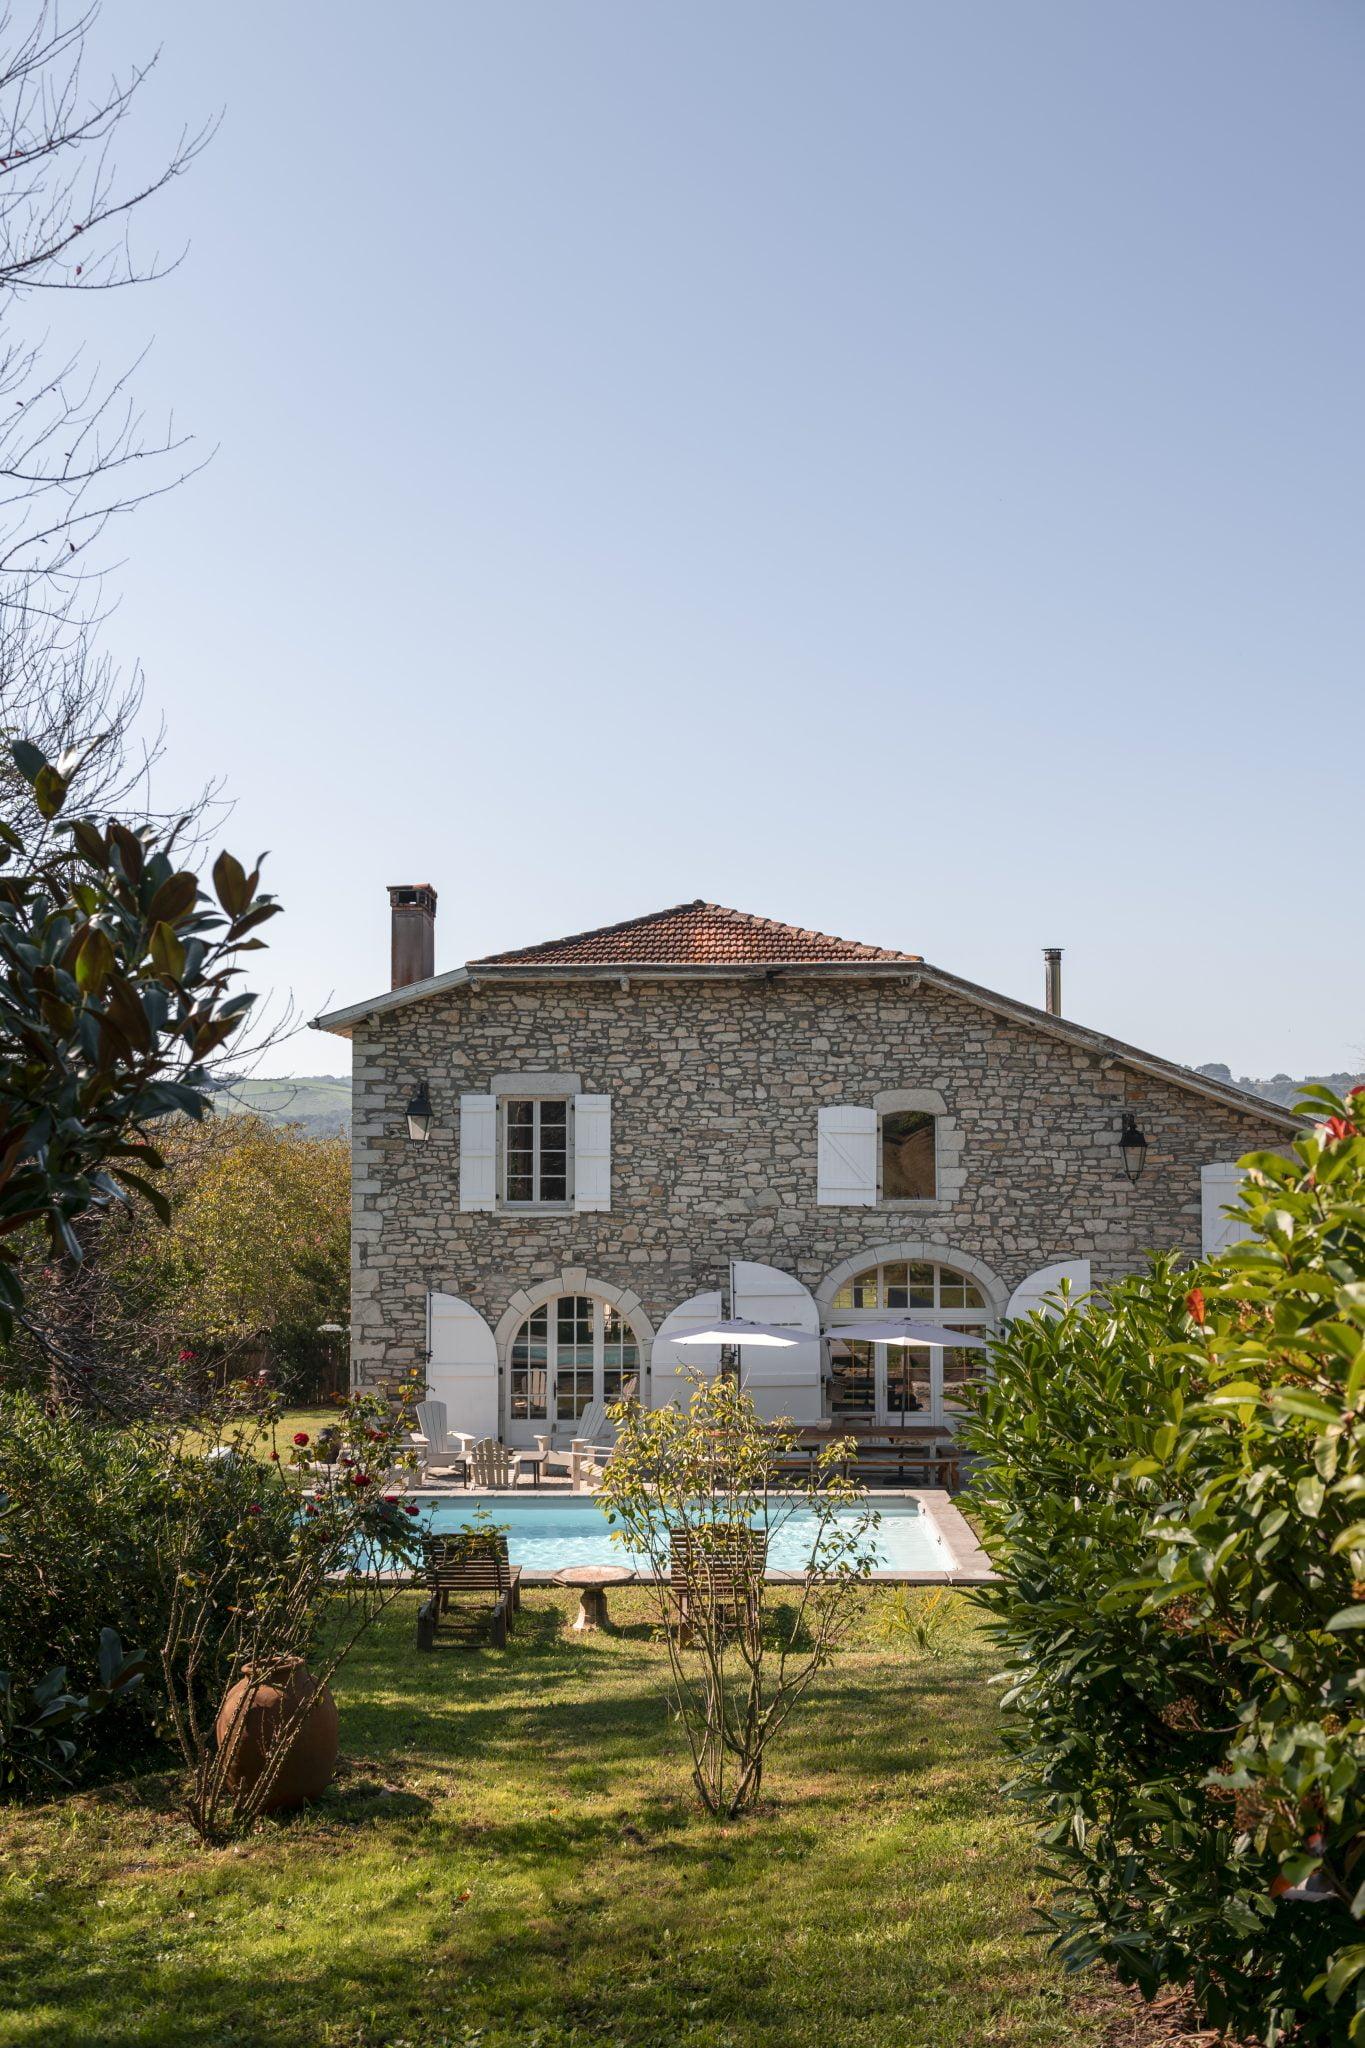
(342, 1022)
(1089, 1040)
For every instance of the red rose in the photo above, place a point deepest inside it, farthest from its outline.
(1194, 1302)
(310, 1509)
(360, 1479)
(390, 1498)
(410, 1507)
(274, 1457)
(300, 1437)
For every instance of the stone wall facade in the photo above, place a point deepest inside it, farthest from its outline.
(715, 1088)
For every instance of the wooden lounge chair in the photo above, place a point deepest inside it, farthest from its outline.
(715, 1578)
(474, 1567)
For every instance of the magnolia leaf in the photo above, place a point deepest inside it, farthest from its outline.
(49, 791)
(95, 961)
(175, 898)
(168, 955)
(230, 884)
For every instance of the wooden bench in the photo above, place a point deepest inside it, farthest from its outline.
(938, 1460)
(471, 1567)
(715, 1577)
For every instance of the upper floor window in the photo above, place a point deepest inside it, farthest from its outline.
(535, 1150)
(909, 1140)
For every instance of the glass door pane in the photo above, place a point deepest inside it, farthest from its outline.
(529, 1390)
(909, 1382)
(573, 1356)
(853, 1388)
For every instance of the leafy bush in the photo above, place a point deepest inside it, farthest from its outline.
(39, 1722)
(81, 1549)
(1171, 1487)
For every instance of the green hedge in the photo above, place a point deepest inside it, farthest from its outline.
(1172, 1486)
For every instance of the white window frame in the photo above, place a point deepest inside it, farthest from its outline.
(536, 1201)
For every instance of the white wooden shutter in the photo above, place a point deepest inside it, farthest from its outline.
(846, 1158)
(780, 1379)
(1042, 1290)
(478, 1151)
(462, 1369)
(669, 1362)
(592, 1151)
(1219, 1187)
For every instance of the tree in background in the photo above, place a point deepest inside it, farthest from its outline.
(258, 1250)
(254, 1258)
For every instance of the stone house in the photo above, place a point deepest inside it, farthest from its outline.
(566, 1156)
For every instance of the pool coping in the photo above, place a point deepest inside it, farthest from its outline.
(968, 1563)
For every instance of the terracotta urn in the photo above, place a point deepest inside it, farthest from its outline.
(285, 1689)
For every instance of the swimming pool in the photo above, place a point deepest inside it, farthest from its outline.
(545, 1536)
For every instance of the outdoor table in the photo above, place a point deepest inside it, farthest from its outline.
(591, 1581)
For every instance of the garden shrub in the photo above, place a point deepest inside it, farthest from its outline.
(82, 1549)
(1172, 1486)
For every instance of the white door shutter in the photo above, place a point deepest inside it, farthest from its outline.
(780, 1379)
(1042, 1290)
(846, 1158)
(668, 1362)
(592, 1151)
(478, 1151)
(463, 1367)
(1219, 1187)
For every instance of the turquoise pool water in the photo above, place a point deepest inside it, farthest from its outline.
(548, 1535)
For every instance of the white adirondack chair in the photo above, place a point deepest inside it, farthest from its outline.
(443, 1450)
(492, 1464)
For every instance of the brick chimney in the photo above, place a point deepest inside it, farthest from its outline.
(412, 907)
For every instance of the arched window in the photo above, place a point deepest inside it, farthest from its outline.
(567, 1353)
(899, 1383)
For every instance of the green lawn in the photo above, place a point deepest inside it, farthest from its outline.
(512, 1857)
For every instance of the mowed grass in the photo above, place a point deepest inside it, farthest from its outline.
(512, 1855)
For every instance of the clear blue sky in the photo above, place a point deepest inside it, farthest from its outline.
(892, 467)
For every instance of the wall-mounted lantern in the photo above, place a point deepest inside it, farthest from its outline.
(419, 1114)
(1133, 1145)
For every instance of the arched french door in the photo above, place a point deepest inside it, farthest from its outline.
(571, 1350)
(898, 1383)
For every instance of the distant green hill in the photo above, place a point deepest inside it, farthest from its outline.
(320, 1103)
(1282, 1088)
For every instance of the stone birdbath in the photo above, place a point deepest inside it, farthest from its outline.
(591, 1582)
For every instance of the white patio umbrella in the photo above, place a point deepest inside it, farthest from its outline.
(739, 1330)
(907, 1333)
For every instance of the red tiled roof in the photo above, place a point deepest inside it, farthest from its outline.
(693, 935)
